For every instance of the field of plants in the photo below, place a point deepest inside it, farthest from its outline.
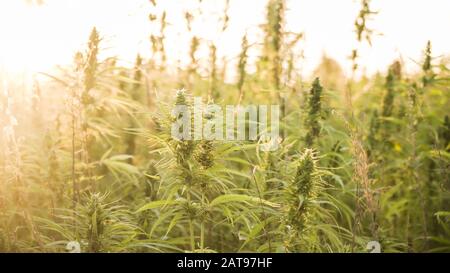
(89, 157)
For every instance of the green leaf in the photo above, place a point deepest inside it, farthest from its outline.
(158, 204)
(227, 198)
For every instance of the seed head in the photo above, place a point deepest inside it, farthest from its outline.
(427, 62)
(302, 190)
(314, 112)
(91, 62)
(96, 218)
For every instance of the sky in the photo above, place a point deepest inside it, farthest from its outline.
(36, 38)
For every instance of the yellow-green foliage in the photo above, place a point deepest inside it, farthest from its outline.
(102, 168)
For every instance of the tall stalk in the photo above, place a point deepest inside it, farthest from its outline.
(314, 114)
(241, 68)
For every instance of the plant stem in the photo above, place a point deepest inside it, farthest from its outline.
(266, 234)
(191, 224)
(202, 227)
